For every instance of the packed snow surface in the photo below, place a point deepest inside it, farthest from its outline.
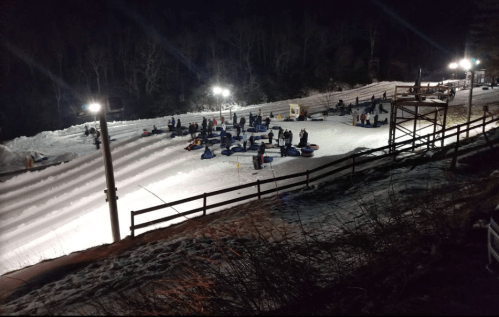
(62, 209)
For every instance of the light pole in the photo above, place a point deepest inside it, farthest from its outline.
(108, 164)
(468, 65)
(224, 92)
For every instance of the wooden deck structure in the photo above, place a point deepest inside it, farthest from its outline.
(410, 104)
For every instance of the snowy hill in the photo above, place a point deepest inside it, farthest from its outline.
(62, 209)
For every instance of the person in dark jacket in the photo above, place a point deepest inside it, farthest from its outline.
(384, 95)
(271, 135)
(242, 122)
(305, 137)
(235, 119)
(170, 125)
(173, 122)
(372, 98)
(222, 136)
(252, 140)
(210, 128)
(245, 140)
(375, 123)
(86, 131)
(228, 142)
(290, 138)
(238, 131)
(191, 131)
(251, 119)
(357, 101)
(280, 134)
(267, 123)
(179, 128)
(282, 144)
(271, 115)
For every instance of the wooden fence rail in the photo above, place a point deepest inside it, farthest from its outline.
(352, 158)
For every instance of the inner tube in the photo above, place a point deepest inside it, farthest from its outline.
(311, 154)
(253, 147)
(276, 127)
(289, 119)
(264, 136)
(239, 138)
(269, 145)
(307, 149)
(185, 132)
(172, 135)
(318, 119)
(213, 141)
(236, 149)
(250, 129)
(257, 137)
(219, 129)
(293, 152)
(267, 159)
(224, 152)
(314, 146)
(196, 147)
(203, 157)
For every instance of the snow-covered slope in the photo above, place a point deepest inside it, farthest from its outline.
(61, 209)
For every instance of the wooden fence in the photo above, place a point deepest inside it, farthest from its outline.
(356, 160)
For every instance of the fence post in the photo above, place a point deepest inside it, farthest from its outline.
(454, 158)
(204, 205)
(258, 185)
(132, 224)
(307, 177)
(485, 110)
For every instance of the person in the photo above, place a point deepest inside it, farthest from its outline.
(210, 128)
(242, 122)
(259, 119)
(384, 95)
(179, 128)
(354, 117)
(280, 133)
(235, 119)
(223, 126)
(287, 141)
(223, 121)
(250, 119)
(259, 112)
(372, 98)
(279, 117)
(281, 144)
(381, 109)
(271, 115)
(368, 117)
(290, 139)
(195, 142)
(267, 123)
(228, 142)
(222, 137)
(170, 125)
(305, 137)
(271, 135)
(349, 109)
(252, 139)
(204, 124)
(173, 122)
(357, 101)
(362, 118)
(375, 123)
(205, 139)
(245, 140)
(215, 123)
(301, 138)
(86, 130)
(261, 152)
(238, 131)
(191, 131)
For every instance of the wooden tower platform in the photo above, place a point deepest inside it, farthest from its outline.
(418, 103)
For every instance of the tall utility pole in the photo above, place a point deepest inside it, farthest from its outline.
(111, 187)
(469, 100)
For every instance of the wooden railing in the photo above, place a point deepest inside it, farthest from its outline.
(356, 160)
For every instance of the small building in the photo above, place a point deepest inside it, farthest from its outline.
(480, 78)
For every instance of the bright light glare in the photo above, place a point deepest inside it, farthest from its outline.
(94, 107)
(217, 90)
(453, 65)
(466, 64)
(225, 93)
(477, 62)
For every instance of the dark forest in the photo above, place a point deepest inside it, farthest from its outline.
(159, 58)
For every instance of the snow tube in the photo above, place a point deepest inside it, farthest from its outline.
(289, 119)
(276, 127)
(232, 140)
(215, 141)
(157, 131)
(260, 128)
(314, 146)
(218, 129)
(236, 149)
(250, 129)
(224, 152)
(269, 145)
(207, 157)
(311, 154)
(307, 149)
(293, 152)
(239, 138)
(360, 125)
(146, 135)
(258, 137)
(253, 147)
(196, 147)
(318, 119)
(368, 126)
(267, 159)
(185, 132)
(265, 136)
(171, 135)
(485, 88)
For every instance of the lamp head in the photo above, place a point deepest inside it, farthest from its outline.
(225, 93)
(94, 107)
(466, 64)
(217, 90)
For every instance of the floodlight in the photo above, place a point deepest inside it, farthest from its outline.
(477, 62)
(466, 64)
(225, 93)
(453, 65)
(217, 90)
(94, 107)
